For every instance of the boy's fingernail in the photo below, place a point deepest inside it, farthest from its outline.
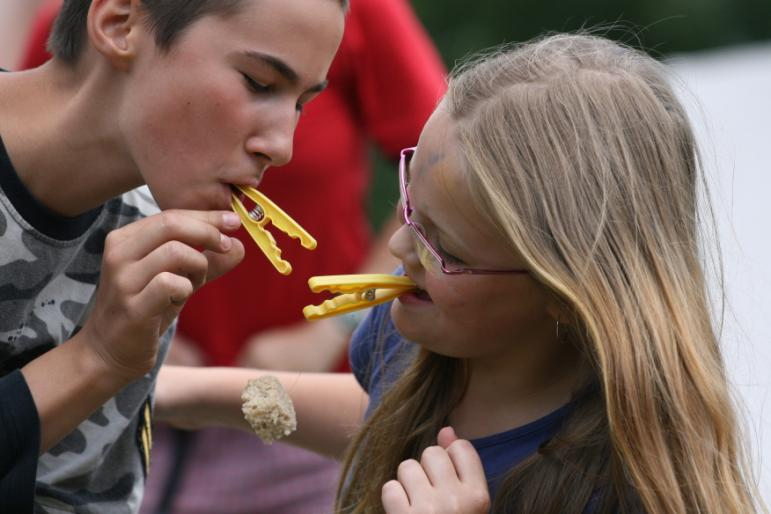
(225, 242)
(231, 220)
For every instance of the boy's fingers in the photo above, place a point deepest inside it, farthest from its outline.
(195, 228)
(222, 220)
(173, 257)
(467, 462)
(166, 290)
(394, 498)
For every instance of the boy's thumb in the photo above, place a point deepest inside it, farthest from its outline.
(221, 263)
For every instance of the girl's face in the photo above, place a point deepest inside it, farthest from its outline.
(222, 105)
(465, 316)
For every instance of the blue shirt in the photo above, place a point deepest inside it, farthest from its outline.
(379, 354)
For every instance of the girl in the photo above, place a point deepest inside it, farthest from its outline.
(562, 324)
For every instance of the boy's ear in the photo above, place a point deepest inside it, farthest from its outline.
(112, 27)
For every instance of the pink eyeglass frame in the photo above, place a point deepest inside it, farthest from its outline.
(417, 229)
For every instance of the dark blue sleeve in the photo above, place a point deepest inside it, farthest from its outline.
(363, 342)
(19, 444)
(378, 354)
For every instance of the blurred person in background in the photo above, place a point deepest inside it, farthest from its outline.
(384, 82)
(15, 17)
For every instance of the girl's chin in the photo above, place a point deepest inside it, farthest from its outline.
(408, 317)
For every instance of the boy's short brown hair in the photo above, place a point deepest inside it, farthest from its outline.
(168, 18)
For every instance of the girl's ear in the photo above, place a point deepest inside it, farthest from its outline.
(559, 311)
(113, 27)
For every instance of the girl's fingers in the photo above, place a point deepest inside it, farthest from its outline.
(450, 480)
(467, 463)
(413, 479)
(394, 498)
(439, 468)
(446, 437)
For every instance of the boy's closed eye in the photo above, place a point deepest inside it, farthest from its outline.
(275, 76)
(255, 86)
(259, 88)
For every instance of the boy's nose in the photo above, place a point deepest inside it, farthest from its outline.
(275, 140)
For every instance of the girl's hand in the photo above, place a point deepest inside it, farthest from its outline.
(449, 479)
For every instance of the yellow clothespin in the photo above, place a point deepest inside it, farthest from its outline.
(254, 222)
(357, 292)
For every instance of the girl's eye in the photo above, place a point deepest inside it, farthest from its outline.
(255, 86)
(449, 258)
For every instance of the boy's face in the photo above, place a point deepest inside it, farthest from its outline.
(222, 105)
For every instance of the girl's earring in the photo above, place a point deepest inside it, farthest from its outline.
(558, 330)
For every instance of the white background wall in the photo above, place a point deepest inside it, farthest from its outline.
(728, 93)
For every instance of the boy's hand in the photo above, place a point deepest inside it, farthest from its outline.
(449, 479)
(149, 270)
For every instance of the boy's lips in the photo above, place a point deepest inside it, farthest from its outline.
(252, 179)
(249, 182)
(233, 188)
(229, 190)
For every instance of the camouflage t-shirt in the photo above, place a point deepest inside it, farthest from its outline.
(49, 268)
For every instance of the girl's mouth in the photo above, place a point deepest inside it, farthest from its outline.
(416, 296)
(422, 294)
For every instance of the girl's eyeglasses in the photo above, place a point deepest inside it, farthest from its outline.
(430, 258)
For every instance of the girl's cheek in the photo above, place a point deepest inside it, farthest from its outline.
(449, 295)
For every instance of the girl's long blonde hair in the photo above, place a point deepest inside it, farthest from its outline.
(579, 154)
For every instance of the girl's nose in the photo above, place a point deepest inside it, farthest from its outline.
(402, 246)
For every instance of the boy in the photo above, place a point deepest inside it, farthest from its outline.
(188, 97)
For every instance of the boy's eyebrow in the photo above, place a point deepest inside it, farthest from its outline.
(283, 69)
